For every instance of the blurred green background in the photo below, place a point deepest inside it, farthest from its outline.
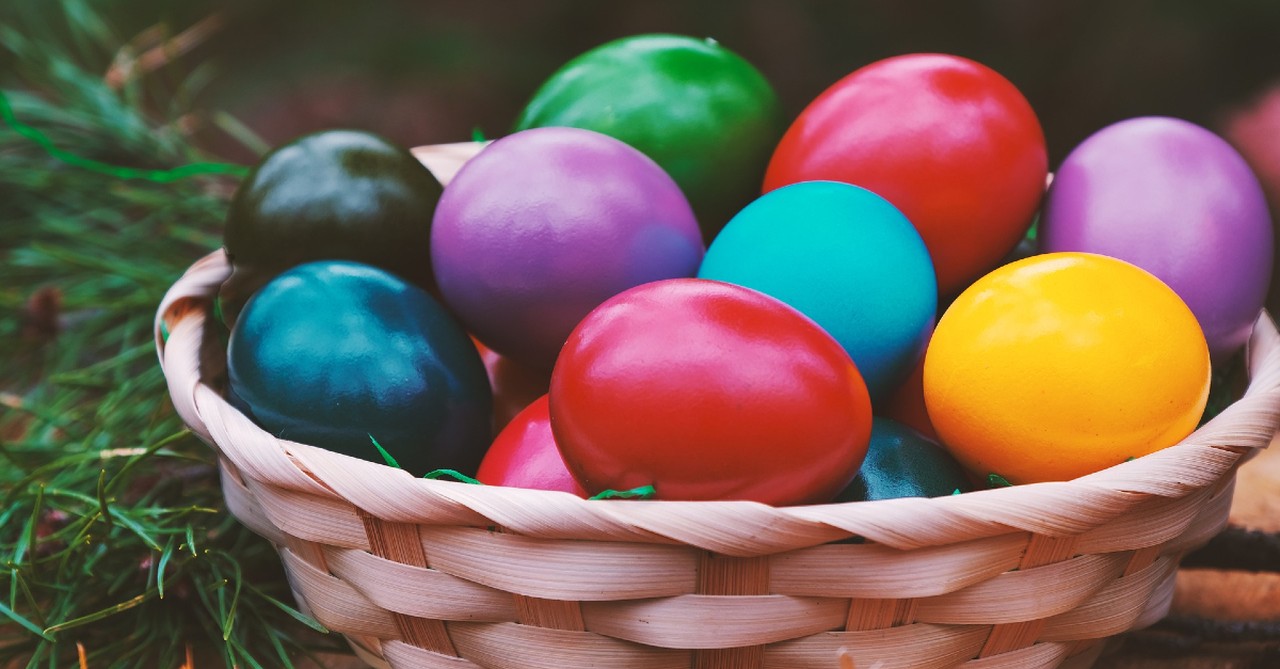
(425, 72)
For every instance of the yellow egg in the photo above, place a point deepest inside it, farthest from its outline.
(1063, 364)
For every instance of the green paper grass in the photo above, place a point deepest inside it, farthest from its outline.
(643, 492)
(452, 475)
(995, 480)
(386, 457)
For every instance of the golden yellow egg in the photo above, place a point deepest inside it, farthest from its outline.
(1063, 364)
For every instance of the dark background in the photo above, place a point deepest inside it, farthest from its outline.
(434, 71)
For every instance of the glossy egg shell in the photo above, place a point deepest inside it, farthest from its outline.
(701, 111)
(844, 257)
(337, 354)
(524, 454)
(708, 391)
(334, 194)
(1178, 201)
(947, 140)
(906, 403)
(544, 225)
(1063, 364)
(901, 462)
(515, 386)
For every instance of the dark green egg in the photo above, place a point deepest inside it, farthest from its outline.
(335, 194)
(901, 462)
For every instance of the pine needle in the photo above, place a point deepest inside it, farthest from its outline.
(116, 546)
(159, 176)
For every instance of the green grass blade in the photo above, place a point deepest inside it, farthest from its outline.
(103, 506)
(290, 611)
(161, 564)
(100, 614)
(21, 620)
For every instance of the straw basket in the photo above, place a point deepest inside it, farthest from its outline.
(431, 574)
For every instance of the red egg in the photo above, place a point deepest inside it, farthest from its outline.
(525, 455)
(515, 386)
(707, 390)
(948, 141)
(906, 403)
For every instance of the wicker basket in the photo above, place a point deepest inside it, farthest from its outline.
(433, 574)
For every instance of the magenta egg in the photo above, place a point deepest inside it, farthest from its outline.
(1178, 201)
(544, 225)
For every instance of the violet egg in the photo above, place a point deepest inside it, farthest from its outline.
(545, 224)
(1178, 201)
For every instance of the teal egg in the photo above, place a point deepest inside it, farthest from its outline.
(846, 258)
(338, 354)
(901, 462)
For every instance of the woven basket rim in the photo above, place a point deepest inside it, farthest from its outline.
(414, 574)
(1052, 508)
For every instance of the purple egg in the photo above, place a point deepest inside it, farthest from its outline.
(544, 225)
(1178, 201)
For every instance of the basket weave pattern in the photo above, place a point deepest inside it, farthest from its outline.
(432, 574)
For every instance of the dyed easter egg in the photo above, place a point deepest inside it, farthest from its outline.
(1063, 364)
(339, 354)
(544, 225)
(332, 194)
(844, 257)
(708, 391)
(901, 462)
(947, 140)
(701, 111)
(524, 454)
(1177, 200)
(906, 403)
(515, 386)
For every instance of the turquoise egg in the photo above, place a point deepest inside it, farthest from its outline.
(846, 258)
